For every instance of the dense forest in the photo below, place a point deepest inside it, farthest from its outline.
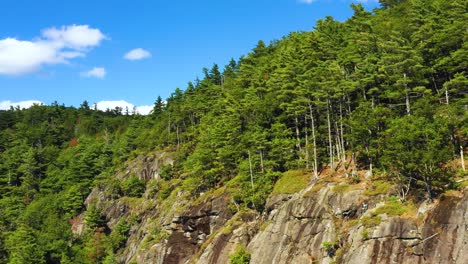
(385, 91)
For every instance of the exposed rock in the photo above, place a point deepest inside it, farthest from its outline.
(312, 226)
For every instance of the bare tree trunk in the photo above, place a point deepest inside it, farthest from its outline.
(348, 102)
(342, 138)
(330, 144)
(298, 135)
(370, 161)
(251, 172)
(408, 109)
(446, 95)
(261, 161)
(462, 158)
(314, 141)
(337, 142)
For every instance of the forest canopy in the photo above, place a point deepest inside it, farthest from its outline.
(385, 91)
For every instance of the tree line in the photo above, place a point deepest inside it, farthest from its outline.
(385, 91)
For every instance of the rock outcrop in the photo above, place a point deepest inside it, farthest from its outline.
(320, 224)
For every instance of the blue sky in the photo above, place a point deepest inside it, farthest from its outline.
(71, 51)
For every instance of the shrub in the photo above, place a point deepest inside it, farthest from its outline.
(369, 221)
(118, 237)
(378, 187)
(392, 207)
(330, 248)
(93, 217)
(133, 186)
(240, 256)
(291, 182)
(341, 188)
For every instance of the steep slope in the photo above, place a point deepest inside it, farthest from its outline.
(331, 220)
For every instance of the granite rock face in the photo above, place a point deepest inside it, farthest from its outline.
(315, 225)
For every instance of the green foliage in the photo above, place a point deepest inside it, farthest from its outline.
(23, 248)
(133, 186)
(253, 196)
(392, 207)
(118, 236)
(414, 151)
(341, 188)
(166, 172)
(365, 233)
(378, 187)
(240, 256)
(291, 182)
(387, 89)
(371, 221)
(330, 248)
(93, 217)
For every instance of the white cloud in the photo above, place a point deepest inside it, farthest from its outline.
(97, 72)
(137, 54)
(144, 109)
(55, 46)
(104, 105)
(75, 36)
(5, 105)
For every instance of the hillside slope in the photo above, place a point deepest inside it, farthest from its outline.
(252, 155)
(330, 220)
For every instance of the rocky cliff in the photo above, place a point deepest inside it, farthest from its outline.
(332, 220)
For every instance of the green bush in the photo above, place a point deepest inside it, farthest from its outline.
(330, 248)
(392, 207)
(166, 172)
(240, 256)
(133, 186)
(371, 221)
(93, 217)
(165, 190)
(291, 182)
(377, 188)
(341, 188)
(118, 236)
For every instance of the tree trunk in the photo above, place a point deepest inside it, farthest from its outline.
(337, 143)
(462, 158)
(251, 172)
(408, 109)
(261, 161)
(298, 134)
(446, 95)
(330, 144)
(343, 151)
(314, 141)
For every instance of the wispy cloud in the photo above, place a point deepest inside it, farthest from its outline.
(137, 54)
(143, 110)
(54, 46)
(101, 105)
(96, 72)
(5, 105)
